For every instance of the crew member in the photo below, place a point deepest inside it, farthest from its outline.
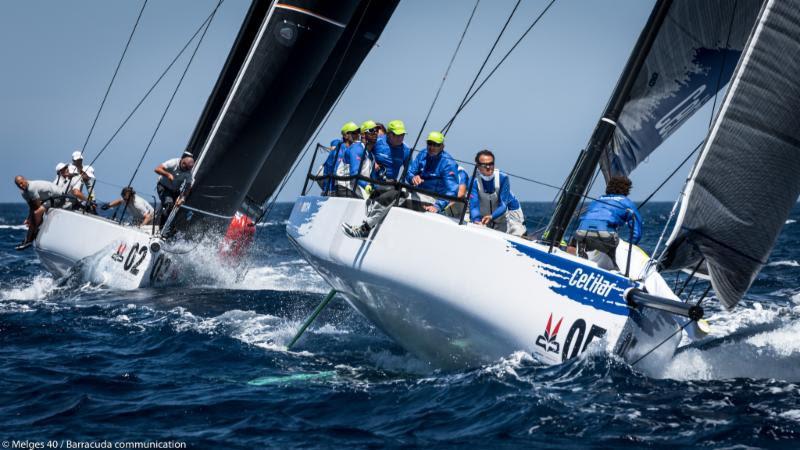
(361, 159)
(433, 170)
(37, 195)
(390, 153)
(175, 178)
(598, 226)
(491, 202)
(456, 209)
(87, 178)
(338, 161)
(135, 207)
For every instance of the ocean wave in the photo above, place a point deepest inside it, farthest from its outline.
(38, 289)
(786, 263)
(13, 227)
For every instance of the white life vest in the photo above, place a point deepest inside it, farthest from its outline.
(489, 202)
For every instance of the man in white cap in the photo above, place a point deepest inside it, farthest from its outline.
(68, 183)
(86, 174)
(175, 177)
(137, 210)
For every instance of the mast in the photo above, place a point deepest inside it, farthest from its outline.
(583, 170)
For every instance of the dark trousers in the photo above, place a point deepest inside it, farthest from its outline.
(167, 197)
(601, 241)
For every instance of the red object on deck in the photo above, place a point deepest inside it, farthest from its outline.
(238, 238)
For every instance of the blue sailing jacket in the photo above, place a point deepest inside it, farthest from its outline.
(390, 159)
(463, 177)
(507, 200)
(438, 172)
(608, 212)
(354, 156)
(336, 157)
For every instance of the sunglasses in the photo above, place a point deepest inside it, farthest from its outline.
(486, 165)
(434, 144)
(371, 130)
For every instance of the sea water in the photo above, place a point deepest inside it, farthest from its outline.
(206, 366)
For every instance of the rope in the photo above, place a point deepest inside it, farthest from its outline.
(155, 84)
(502, 60)
(644, 202)
(446, 128)
(447, 71)
(113, 77)
(444, 77)
(175, 92)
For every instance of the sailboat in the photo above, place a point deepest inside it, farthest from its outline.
(530, 295)
(291, 59)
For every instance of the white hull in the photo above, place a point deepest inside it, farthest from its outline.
(465, 295)
(105, 252)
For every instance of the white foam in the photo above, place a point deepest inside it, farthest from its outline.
(787, 263)
(13, 227)
(40, 286)
(284, 277)
(790, 221)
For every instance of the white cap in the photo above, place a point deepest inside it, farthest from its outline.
(76, 155)
(60, 166)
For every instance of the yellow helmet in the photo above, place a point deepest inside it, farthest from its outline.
(396, 127)
(349, 127)
(436, 137)
(368, 125)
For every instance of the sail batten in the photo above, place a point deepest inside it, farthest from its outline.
(747, 178)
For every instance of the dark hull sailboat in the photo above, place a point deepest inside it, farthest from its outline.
(282, 55)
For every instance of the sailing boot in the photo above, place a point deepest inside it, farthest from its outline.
(356, 231)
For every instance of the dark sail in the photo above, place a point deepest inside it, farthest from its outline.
(748, 177)
(692, 57)
(293, 42)
(355, 43)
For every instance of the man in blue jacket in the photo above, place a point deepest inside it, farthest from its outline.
(390, 152)
(491, 202)
(337, 163)
(433, 169)
(598, 226)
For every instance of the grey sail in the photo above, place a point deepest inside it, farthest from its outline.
(691, 59)
(283, 56)
(355, 43)
(748, 177)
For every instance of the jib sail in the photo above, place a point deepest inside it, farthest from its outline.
(353, 46)
(691, 59)
(748, 177)
(283, 57)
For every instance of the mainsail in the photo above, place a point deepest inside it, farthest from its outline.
(691, 59)
(748, 177)
(354, 44)
(293, 41)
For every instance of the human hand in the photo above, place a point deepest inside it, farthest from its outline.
(431, 208)
(417, 180)
(485, 220)
(105, 206)
(171, 177)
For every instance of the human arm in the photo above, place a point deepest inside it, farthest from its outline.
(111, 204)
(449, 173)
(474, 203)
(161, 170)
(635, 221)
(413, 176)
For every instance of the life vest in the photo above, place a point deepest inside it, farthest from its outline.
(489, 201)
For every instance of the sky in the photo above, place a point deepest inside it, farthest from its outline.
(535, 114)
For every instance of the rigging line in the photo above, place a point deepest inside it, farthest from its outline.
(497, 66)
(722, 64)
(441, 85)
(663, 342)
(175, 91)
(150, 90)
(113, 77)
(483, 65)
(271, 204)
(685, 160)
